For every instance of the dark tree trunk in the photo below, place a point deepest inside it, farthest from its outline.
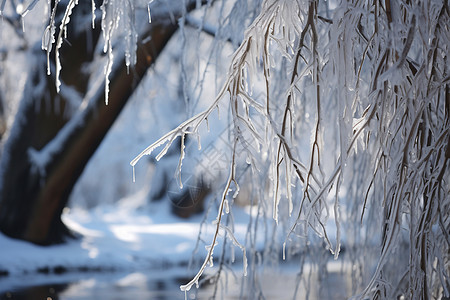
(32, 196)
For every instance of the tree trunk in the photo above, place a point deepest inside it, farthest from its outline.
(33, 193)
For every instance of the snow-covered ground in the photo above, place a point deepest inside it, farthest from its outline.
(125, 237)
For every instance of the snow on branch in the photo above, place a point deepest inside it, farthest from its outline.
(371, 87)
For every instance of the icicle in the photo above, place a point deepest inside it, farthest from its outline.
(199, 142)
(276, 201)
(108, 69)
(337, 217)
(149, 15)
(107, 30)
(47, 41)
(289, 188)
(237, 191)
(227, 207)
(59, 41)
(180, 162)
(232, 255)
(245, 262)
(131, 35)
(48, 37)
(93, 14)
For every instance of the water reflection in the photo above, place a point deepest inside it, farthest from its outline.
(45, 292)
(164, 285)
(116, 286)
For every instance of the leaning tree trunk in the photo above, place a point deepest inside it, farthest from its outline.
(34, 188)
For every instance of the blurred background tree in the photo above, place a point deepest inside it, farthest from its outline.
(55, 134)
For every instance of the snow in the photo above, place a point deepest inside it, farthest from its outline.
(126, 237)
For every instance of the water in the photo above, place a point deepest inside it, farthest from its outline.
(161, 285)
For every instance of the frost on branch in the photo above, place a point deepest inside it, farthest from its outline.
(348, 104)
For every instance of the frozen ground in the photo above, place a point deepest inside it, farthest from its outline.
(119, 238)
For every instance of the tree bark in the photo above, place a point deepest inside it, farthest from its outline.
(32, 198)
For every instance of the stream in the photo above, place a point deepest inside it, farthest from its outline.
(162, 285)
